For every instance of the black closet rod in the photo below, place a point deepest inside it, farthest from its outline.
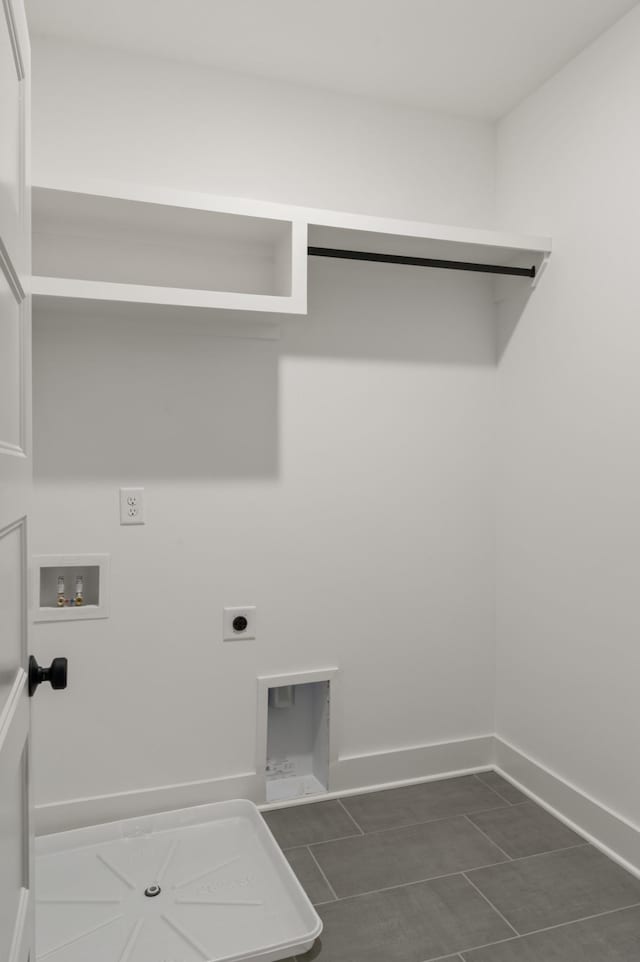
(420, 261)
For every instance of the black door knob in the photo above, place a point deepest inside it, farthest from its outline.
(55, 674)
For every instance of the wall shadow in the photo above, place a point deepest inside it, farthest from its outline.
(125, 400)
(132, 396)
(394, 313)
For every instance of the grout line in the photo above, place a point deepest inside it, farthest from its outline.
(433, 878)
(324, 841)
(549, 928)
(401, 885)
(436, 878)
(488, 838)
(547, 851)
(319, 867)
(495, 791)
(438, 818)
(525, 801)
(461, 955)
(522, 858)
(585, 918)
(400, 828)
(490, 904)
(444, 958)
(345, 809)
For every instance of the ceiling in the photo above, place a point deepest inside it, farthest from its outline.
(471, 57)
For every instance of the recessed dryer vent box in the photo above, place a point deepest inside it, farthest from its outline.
(297, 743)
(55, 572)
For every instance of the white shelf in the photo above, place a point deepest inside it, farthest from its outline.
(332, 225)
(64, 288)
(118, 247)
(135, 245)
(480, 247)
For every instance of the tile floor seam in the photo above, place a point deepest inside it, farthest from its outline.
(549, 928)
(488, 838)
(443, 958)
(585, 918)
(547, 851)
(491, 905)
(489, 945)
(436, 878)
(399, 828)
(522, 858)
(526, 801)
(338, 838)
(402, 885)
(479, 775)
(322, 873)
(346, 810)
(501, 803)
(490, 789)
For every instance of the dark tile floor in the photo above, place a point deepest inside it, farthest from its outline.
(461, 869)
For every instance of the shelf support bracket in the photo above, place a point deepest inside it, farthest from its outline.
(541, 269)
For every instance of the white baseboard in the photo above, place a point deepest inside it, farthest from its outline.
(79, 812)
(608, 831)
(613, 834)
(417, 763)
(357, 773)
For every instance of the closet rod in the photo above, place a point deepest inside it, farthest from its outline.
(420, 261)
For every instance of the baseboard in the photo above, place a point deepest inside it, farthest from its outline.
(418, 763)
(80, 812)
(613, 834)
(379, 771)
(351, 774)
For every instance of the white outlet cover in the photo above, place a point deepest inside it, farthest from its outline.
(131, 505)
(229, 633)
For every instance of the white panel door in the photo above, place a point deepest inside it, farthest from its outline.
(16, 899)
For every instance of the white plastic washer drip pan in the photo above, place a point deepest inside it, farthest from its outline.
(205, 884)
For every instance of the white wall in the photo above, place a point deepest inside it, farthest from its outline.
(569, 402)
(341, 479)
(134, 118)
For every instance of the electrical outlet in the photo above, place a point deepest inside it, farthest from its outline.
(239, 624)
(131, 505)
